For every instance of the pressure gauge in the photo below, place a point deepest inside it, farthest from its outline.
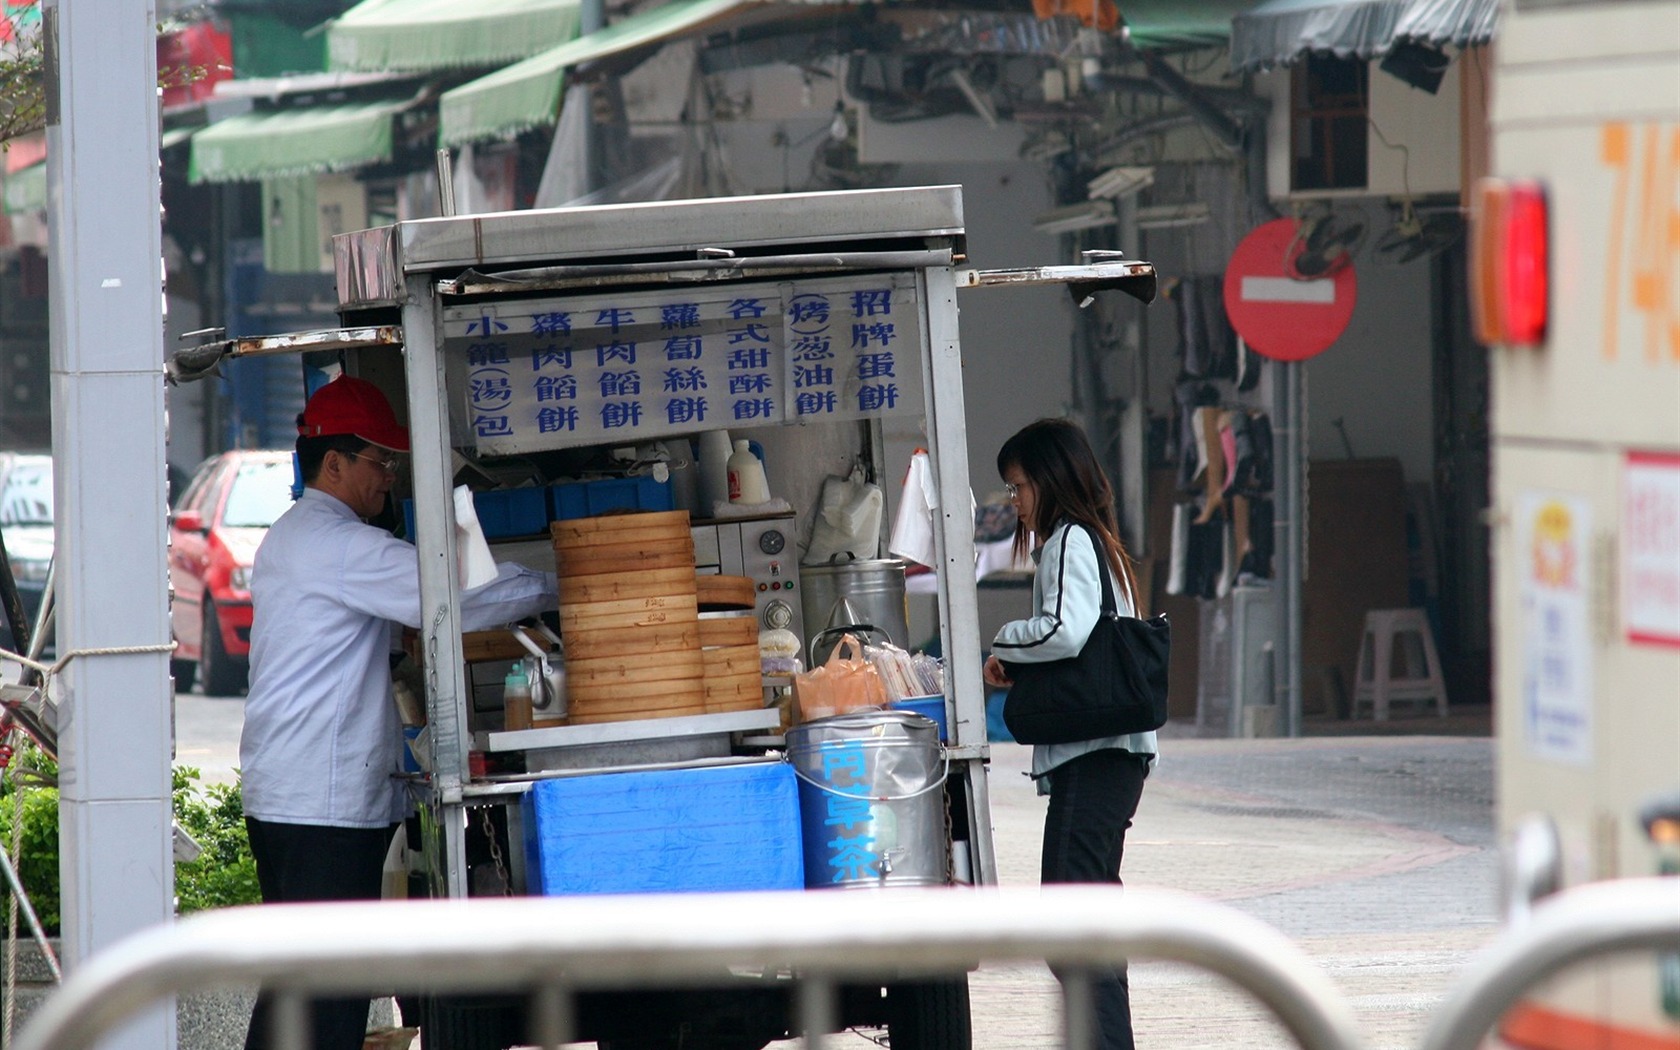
(778, 614)
(771, 541)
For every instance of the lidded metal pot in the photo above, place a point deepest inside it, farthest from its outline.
(862, 596)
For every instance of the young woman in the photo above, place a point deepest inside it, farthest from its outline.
(1057, 485)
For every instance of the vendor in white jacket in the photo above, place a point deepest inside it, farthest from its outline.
(1057, 486)
(322, 738)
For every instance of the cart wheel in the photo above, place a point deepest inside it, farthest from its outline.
(222, 674)
(929, 1015)
(470, 1023)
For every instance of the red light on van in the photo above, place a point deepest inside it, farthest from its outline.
(1509, 294)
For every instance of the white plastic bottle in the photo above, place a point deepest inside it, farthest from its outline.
(746, 476)
(714, 470)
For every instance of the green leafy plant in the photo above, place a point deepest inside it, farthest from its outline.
(213, 814)
(224, 874)
(37, 859)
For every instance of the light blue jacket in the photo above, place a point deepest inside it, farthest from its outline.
(1067, 600)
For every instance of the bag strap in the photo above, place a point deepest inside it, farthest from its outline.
(1110, 607)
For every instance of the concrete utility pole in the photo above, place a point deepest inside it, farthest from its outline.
(106, 310)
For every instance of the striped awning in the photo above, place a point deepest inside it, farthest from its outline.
(527, 94)
(424, 35)
(263, 144)
(1278, 32)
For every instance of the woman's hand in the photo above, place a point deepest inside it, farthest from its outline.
(994, 674)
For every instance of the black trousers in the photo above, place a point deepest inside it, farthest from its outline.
(1092, 801)
(311, 862)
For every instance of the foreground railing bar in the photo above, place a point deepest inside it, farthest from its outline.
(1601, 919)
(816, 1012)
(289, 1021)
(659, 940)
(552, 1021)
(1079, 1028)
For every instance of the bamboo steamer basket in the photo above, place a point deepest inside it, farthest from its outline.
(591, 530)
(736, 692)
(728, 630)
(629, 558)
(724, 593)
(648, 667)
(629, 616)
(655, 610)
(613, 543)
(730, 661)
(664, 707)
(617, 586)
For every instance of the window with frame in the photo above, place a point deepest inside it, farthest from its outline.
(1329, 123)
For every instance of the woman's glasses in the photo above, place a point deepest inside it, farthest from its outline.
(1013, 491)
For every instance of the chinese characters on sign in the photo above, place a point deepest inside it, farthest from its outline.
(642, 365)
(1557, 672)
(1651, 548)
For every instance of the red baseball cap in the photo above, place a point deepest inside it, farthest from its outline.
(348, 405)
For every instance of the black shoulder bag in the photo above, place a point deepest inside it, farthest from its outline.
(1116, 685)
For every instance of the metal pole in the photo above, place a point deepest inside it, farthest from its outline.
(106, 334)
(446, 184)
(1289, 532)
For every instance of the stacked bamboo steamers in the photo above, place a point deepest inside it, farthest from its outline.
(645, 637)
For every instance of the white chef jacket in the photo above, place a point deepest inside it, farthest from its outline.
(1067, 601)
(322, 738)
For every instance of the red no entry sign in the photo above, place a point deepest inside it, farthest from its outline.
(1280, 316)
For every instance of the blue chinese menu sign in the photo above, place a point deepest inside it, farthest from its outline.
(625, 366)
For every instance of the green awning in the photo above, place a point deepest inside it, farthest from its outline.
(423, 35)
(1174, 23)
(527, 94)
(266, 144)
(26, 189)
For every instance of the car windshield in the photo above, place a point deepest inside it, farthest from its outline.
(28, 497)
(261, 492)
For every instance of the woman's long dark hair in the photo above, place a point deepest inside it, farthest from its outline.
(1068, 483)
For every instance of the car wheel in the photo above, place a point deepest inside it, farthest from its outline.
(221, 674)
(929, 1015)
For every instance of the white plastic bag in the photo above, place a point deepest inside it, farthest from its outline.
(848, 520)
(912, 532)
(472, 550)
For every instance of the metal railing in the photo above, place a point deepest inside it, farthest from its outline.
(1582, 923)
(553, 948)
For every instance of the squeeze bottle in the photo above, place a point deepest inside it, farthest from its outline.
(746, 476)
(714, 470)
(516, 698)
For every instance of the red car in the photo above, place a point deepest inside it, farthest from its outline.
(214, 532)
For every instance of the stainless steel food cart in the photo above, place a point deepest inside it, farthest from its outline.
(458, 316)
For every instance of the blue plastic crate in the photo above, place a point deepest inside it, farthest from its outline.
(928, 707)
(512, 512)
(502, 513)
(586, 499)
(716, 829)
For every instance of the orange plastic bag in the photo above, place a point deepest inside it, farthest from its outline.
(843, 684)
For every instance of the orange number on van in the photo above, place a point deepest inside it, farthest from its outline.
(1656, 236)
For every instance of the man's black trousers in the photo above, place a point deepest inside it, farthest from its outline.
(311, 862)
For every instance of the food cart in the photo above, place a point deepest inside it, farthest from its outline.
(567, 361)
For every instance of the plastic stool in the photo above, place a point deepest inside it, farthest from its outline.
(1378, 682)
